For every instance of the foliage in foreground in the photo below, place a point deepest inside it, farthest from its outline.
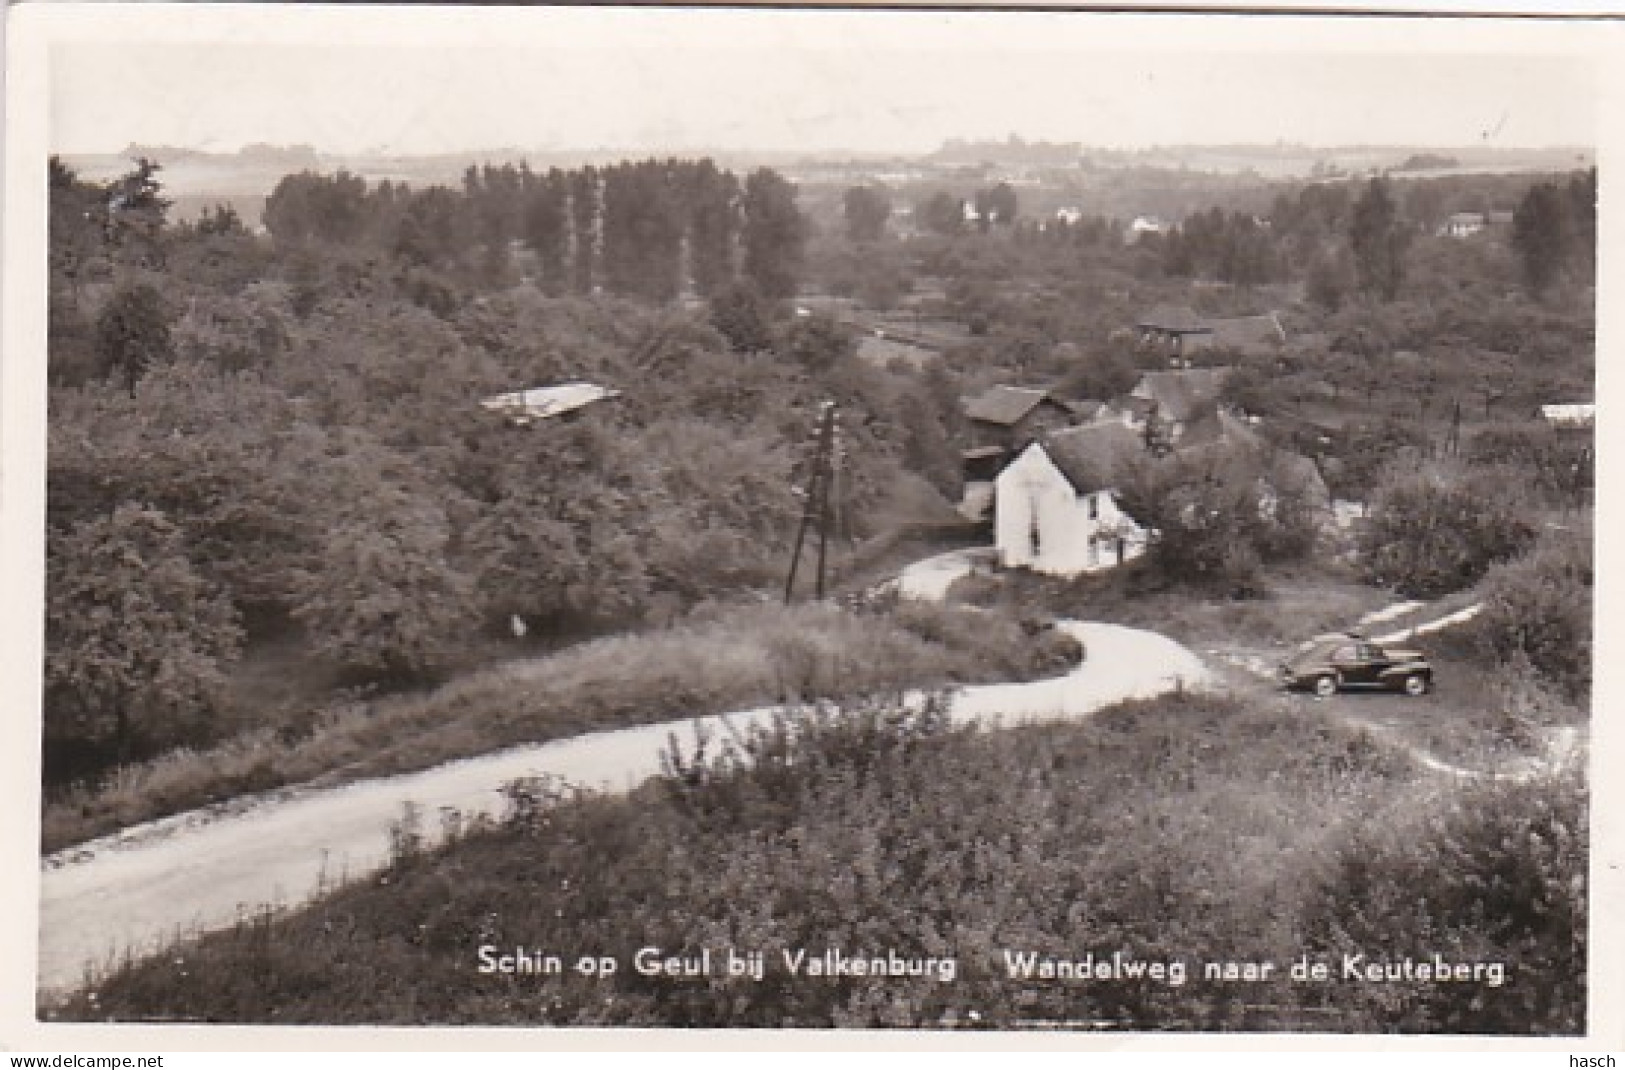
(1181, 830)
(724, 659)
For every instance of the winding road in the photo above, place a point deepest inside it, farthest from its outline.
(135, 891)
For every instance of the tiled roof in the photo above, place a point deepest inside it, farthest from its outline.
(1005, 405)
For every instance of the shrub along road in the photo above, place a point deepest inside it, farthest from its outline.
(142, 887)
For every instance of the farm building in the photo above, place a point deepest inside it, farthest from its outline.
(1012, 416)
(1055, 508)
(1171, 328)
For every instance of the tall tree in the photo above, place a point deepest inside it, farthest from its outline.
(941, 213)
(867, 208)
(137, 213)
(132, 333)
(1380, 240)
(311, 207)
(775, 234)
(1541, 235)
(1582, 191)
(545, 224)
(77, 228)
(713, 225)
(997, 206)
(583, 229)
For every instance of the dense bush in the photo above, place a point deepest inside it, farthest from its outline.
(1537, 609)
(1495, 873)
(721, 658)
(1178, 831)
(137, 640)
(1217, 515)
(1430, 533)
(317, 443)
(1559, 465)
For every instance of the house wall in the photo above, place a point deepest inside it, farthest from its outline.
(1074, 533)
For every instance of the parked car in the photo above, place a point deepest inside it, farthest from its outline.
(1331, 663)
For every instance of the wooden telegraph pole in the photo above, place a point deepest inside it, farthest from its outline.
(818, 506)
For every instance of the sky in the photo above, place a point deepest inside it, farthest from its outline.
(419, 81)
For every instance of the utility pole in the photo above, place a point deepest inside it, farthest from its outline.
(818, 506)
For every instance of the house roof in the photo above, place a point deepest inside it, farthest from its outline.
(882, 351)
(1005, 405)
(1468, 218)
(1230, 446)
(1217, 427)
(539, 403)
(1176, 319)
(1092, 457)
(1181, 395)
(1246, 332)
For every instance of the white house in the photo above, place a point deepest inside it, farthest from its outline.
(1463, 224)
(1054, 507)
(1572, 416)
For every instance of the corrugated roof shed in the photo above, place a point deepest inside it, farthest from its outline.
(539, 403)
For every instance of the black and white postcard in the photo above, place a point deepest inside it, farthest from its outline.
(883, 523)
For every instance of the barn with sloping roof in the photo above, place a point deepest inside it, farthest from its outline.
(1174, 328)
(1246, 335)
(1011, 416)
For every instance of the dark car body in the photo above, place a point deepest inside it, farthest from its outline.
(1332, 663)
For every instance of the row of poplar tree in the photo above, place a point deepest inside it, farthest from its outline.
(650, 229)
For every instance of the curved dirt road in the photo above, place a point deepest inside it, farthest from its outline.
(140, 888)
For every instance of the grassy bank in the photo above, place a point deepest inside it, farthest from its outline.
(729, 659)
(1182, 831)
(1301, 601)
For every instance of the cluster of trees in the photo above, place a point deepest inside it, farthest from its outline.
(1231, 247)
(1340, 243)
(1217, 516)
(1321, 235)
(1554, 231)
(1440, 529)
(303, 458)
(946, 214)
(645, 229)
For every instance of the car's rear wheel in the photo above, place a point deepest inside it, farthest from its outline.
(1416, 684)
(1325, 686)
